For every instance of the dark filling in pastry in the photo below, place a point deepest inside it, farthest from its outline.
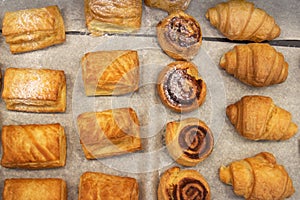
(183, 31)
(194, 141)
(180, 88)
(189, 189)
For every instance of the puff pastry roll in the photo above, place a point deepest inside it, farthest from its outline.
(98, 186)
(33, 29)
(109, 133)
(183, 184)
(110, 72)
(169, 5)
(33, 146)
(258, 177)
(34, 90)
(35, 189)
(189, 141)
(180, 88)
(106, 16)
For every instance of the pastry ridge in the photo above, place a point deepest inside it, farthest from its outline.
(167, 5)
(34, 90)
(97, 186)
(33, 146)
(109, 132)
(24, 188)
(33, 29)
(110, 72)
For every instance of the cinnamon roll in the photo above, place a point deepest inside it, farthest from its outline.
(179, 35)
(189, 141)
(180, 88)
(183, 185)
(168, 5)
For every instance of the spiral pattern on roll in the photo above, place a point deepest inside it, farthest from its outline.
(194, 141)
(189, 188)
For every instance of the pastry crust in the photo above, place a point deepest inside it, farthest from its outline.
(180, 88)
(168, 5)
(33, 146)
(34, 90)
(35, 189)
(183, 184)
(189, 141)
(98, 186)
(258, 118)
(255, 64)
(105, 16)
(110, 72)
(258, 177)
(33, 29)
(179, 35)
(241, 20)
(108, 133)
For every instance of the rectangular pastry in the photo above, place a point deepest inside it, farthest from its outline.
(33, 146)
(109, 133)
(34, 90)
(98, 186)
(34, 189)
(110, 72)
(32, 29)
(106, 16)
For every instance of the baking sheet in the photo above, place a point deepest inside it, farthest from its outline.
(222, 88)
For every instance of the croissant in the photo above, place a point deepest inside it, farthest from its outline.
(240, 20)
(255, 64)
(258, 178)
(257, 118)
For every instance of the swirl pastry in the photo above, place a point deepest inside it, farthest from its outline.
(106, 16)
(180, 88)
(183, 185)
(108, 133)
(33, 29)
(99, 186)
(258, 177)
(34, 90)
(169, 5)
(189, 141)
(179, 35)
(33, 146)
(110, 72)
(258, 118)
(35, 189)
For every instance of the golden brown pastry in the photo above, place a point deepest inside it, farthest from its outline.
(106, 16)
(34, 90)
(180, 88)
(33, 29)
(108, 133)
(258, 118)
(34, 189)
(189, 141)
(241, 20)
(183, 185)
(99, 186)
(255, 64)
(258, 177)
(169, 5)
(33, 146)
(179, 35)
(110, 72)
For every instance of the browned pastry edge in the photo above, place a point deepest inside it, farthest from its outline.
(179, 35)
(168, 5)
(188, 73)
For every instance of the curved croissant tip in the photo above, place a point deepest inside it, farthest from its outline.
(223, 62)
(225, 175)
(207, 14)
(231, 112)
